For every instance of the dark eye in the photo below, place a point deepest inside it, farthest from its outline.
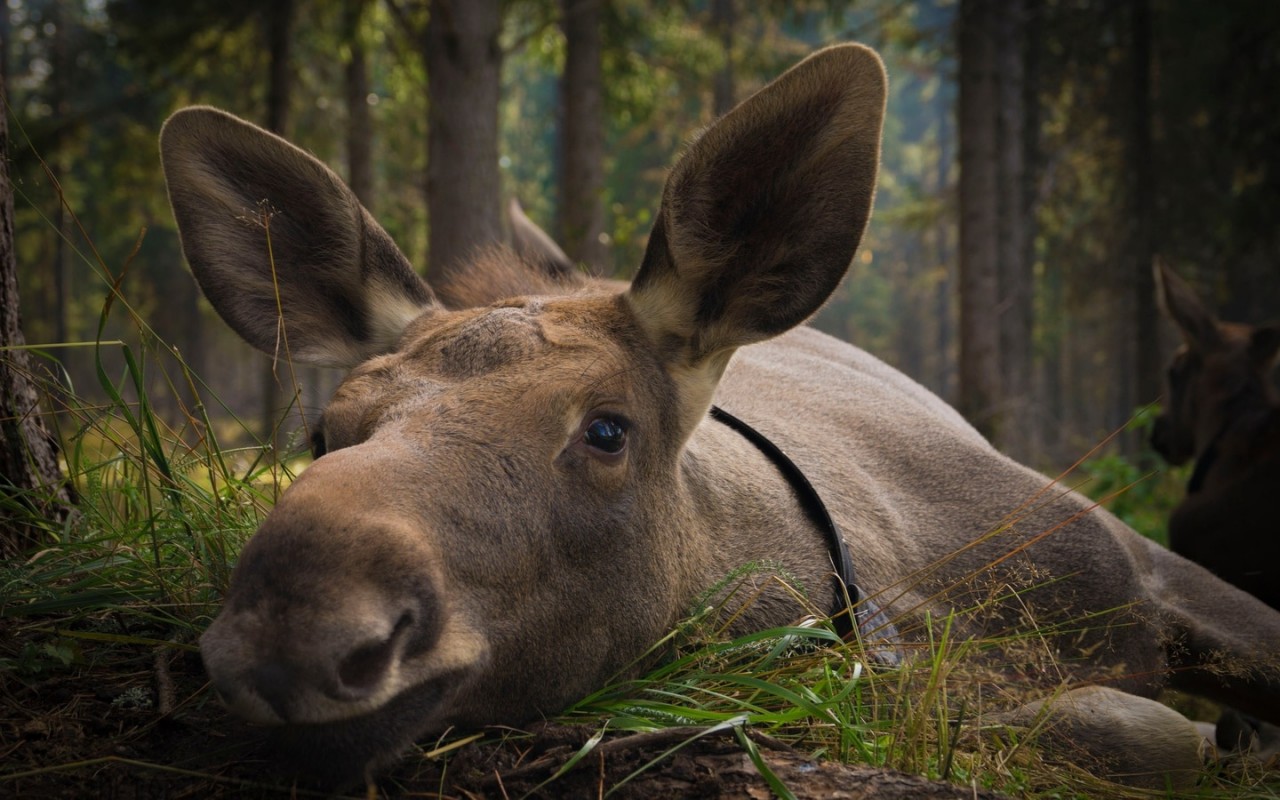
(606, 434)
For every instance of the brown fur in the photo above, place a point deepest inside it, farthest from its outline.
(1221, 409)
(469, 552)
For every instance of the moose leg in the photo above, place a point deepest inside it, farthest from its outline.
(1122, 737)
(1221, 642)
(1242, 733)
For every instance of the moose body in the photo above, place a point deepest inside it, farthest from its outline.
(1222, 411)
(516, 496)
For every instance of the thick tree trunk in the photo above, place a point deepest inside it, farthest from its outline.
(979, 378)
(359, 119)
(61, 229)
(724, 18)
(279, 31)
(30, 477)
(1032, 41)
(943, 255)
(1013, 225)
(1147, 353)
(582, 136)
(464, 65)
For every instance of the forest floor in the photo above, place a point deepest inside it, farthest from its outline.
(153, 729)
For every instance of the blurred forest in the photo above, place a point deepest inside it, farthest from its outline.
(1094, 135)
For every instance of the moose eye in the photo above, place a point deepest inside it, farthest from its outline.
(606, 434)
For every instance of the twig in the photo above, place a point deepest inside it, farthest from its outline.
(166, 698)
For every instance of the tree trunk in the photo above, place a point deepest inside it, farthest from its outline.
(30, 476)
(582, 136)
(61, 228)
(279, 30)
(1014, 305)
(1032, 41)
(1147, 353)
(464, 65)
(359, 119)
(724, 18)
(943, 256)
(979, 378)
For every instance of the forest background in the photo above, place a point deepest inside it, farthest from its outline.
(1093, 136)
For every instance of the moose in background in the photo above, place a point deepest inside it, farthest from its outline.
(1222, 410)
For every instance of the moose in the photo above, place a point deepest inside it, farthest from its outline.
(518, 491)
(1222, 411)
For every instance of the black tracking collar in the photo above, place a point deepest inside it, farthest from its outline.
(1203, 464)
(816, 510)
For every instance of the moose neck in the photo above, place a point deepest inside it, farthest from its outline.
(1248, 436)
(748, 506)
(847, 593)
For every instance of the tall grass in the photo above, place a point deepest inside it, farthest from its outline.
(161, 511)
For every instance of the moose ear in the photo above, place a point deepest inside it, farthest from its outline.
(281, 247)
(1182, 306)
(535, 246)
(1264, 346)
(761, 216)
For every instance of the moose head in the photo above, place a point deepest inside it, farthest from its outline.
(506, 511)
(1221, 373)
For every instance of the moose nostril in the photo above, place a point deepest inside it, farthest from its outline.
(363, 669)
(274, 683)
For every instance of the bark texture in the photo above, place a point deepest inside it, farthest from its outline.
(278, 29)
(464, 66)
(359, 118)
(1014, 227)
(582, 136)
(30, 476)
(979, 389)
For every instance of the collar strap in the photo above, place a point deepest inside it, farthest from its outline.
(1205, 462)
(847, 594)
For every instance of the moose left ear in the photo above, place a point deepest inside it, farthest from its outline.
(1182, 306)
(281, 247)
(1264, 346)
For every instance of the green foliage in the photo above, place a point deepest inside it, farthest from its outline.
(33, 660)
(1142, 495)
(1142, 498)
(161, 512)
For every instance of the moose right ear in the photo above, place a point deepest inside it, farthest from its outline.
(761, 217)
(281, 247)
(1264, 346)
(1182, 306)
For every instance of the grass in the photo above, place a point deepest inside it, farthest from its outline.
(1145, 492)
(130, 582)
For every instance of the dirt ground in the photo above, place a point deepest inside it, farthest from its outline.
(153, 730)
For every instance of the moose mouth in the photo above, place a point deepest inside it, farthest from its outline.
(344, 752)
